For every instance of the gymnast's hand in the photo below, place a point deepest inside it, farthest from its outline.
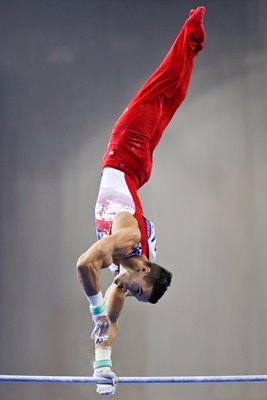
(102, 325)
(106, 389)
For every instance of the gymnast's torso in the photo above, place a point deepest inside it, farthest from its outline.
(117, 194)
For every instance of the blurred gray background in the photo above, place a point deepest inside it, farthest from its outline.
(68, 69)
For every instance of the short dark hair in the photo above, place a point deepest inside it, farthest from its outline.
(160, 278)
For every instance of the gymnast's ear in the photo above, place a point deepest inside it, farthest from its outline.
(145, 269)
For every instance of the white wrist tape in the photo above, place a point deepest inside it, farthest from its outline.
(96, 300)
(98, 306)
(103, 353)
(103, 357)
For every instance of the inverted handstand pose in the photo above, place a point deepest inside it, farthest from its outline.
(126, 239)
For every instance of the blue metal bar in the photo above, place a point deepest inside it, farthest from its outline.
(135, 379)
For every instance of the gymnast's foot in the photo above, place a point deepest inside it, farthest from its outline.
(196, 19)
(197, 16)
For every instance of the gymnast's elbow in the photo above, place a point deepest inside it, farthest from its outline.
(85, 262)
(94, 258)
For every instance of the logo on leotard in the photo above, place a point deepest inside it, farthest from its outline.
(100, 234)
(137, 251)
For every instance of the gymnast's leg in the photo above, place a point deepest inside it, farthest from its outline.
(173, 102)
(160, 96)
(140, 127)
(170, 73)
(171, 105)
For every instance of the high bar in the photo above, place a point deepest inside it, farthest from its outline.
(135, 379)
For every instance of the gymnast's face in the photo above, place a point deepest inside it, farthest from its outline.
(133, 283)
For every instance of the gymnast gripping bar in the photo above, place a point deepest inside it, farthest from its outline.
(134, 379)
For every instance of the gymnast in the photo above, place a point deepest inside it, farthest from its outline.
(126, 239)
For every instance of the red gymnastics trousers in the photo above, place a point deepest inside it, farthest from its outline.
(139, 129)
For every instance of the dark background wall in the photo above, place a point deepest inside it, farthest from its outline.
(67, 70)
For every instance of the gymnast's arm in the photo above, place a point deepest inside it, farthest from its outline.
(115, 299)
(124, 238)
(102, 366)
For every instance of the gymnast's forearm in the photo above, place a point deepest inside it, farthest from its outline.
(115, 299)
(89, 266)
(89, 277)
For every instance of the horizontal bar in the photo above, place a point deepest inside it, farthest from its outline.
(135, 379)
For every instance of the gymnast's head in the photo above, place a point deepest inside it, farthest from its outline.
(160, 279)
(144, 280)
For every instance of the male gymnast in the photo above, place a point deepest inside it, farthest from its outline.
(126, 239)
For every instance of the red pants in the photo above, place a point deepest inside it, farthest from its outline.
(139, 129)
